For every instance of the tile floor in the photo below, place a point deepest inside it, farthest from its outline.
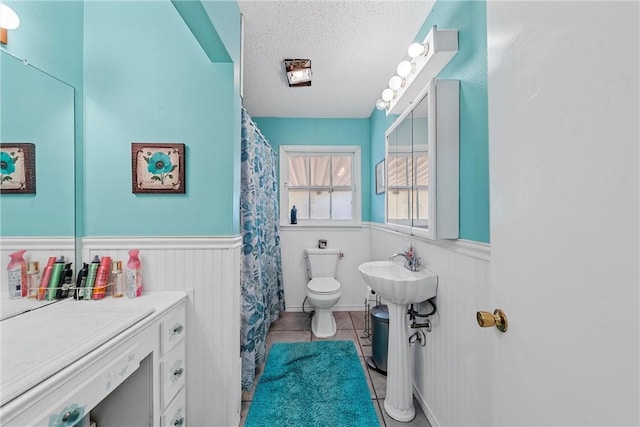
(296, 327)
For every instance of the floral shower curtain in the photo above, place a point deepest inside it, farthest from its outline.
(262, 294)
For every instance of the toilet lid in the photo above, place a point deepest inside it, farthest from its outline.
(324, 285)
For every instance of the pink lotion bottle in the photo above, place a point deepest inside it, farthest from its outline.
(134, 274)
(17, 275)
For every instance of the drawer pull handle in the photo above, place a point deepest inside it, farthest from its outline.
(176, 329)
(71, 416)
(179, 421)
(178, 372)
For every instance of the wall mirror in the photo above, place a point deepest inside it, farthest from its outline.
(422, 164)
(400, 172)
(38, 109)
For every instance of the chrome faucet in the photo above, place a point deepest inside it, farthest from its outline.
(411, 261)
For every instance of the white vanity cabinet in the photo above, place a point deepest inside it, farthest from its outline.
(173, 369)
(120, 360)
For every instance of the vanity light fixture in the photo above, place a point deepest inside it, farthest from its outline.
(298, 72)
(396, 82)
(405, 68)
(8, 21)
(381, 104)
(425, 61)
(388, 95)
(417, 49)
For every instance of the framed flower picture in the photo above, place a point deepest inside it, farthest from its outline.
(18, 168)
(157, 168)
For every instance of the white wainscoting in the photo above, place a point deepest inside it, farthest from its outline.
(354, 243)
(38, 249)
(449, 373)
(208, 268)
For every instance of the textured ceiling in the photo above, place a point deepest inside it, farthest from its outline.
(354, 47)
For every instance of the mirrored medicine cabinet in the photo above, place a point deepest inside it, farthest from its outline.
(422, 172)
(38, 108)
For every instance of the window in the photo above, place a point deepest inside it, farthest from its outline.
(321, 182)
(408, 187)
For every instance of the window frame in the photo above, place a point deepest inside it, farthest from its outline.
(287, 151)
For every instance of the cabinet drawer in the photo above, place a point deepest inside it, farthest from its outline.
(175, 415)
(172, 329)
(173, 372)
(89, 392)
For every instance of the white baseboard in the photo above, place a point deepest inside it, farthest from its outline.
(425, 407)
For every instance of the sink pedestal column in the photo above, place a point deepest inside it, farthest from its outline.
(399, 401)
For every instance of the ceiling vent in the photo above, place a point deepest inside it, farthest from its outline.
(298, 72)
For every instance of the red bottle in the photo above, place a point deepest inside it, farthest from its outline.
(102, 278)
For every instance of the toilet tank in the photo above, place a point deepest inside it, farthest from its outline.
(322, 262)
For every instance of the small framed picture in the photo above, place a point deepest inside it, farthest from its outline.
(157, 168)
(18, 168)
(380, 177)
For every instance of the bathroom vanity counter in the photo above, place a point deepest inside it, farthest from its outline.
(14, 307)
(61, 361)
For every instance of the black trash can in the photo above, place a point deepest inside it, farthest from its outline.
(379, 337)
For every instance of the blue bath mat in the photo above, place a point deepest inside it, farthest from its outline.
(308, 384)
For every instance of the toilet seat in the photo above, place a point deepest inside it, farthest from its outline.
(323, 286)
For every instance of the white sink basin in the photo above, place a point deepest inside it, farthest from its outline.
(398, 285)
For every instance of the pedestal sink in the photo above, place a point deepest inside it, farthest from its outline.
(399, 287)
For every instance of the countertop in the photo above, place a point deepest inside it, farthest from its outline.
(39, 343)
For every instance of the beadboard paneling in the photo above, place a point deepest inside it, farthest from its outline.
(209, 270)
(450, 373)
(38, 249)
(354, 243)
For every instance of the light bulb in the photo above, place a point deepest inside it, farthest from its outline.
(404, 68)
(396, 82)
(8, 18)
(388, 94)
(417, 49)
(381, 104)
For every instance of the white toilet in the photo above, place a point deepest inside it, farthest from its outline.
(323, 290)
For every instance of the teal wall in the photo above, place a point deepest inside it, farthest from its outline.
(38, 109)
(470, 67)
(225, 17)
(320, 131)
(50, 38)
(147, 79)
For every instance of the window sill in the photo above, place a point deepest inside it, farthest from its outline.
(322, 225)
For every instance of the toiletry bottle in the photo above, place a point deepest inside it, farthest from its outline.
(65, 282)
(119, 287)
(46, 276)
(33, 273)
(91, 277)
(81, 281)
(294, 215)
(134, 274)
(56, 278)
(102, 278)
(17, 273)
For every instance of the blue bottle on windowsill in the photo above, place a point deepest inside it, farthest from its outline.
(294, 215)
